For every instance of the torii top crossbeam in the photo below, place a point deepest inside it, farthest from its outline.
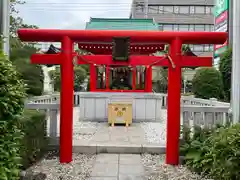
(52, 35)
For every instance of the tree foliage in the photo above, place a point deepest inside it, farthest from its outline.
(32, 74)
(207, 83)
(213, 152)
(12, 93)
(80, 75)
(162, 83)
(20, 53)
(225, 67)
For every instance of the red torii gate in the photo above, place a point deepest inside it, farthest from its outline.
(65, 59)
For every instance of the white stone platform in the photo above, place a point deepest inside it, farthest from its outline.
(93, 137)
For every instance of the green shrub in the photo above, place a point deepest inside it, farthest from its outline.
(225, 67)
(12, 95)
(217, 154)
(34, 143)
(207, 83)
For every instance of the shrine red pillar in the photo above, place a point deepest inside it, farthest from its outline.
(93, 77)
(107, 77)
(66, 102)
(173, 110)
(148, 82)
(134, 78)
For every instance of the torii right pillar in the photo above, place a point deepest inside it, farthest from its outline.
(174, 96)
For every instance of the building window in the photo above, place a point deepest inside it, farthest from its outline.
(192, 9)
(183, 27)
(167, 27)
(212, 27)
(199, 27)
(139, 8)
(168, 9)
(183, 9)
(153, 9)
(160, 27)
(212, 10)
(208, 10)
(207, 27)
(206, 47)
(160, 10)
(191, 27)
(175, 27)
(176, 9)
(199, 10)
(198, 48)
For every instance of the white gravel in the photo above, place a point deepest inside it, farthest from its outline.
(156, 169)
(50, 168)
(154, 132)
(84, 130)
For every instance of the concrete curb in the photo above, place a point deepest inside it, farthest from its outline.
(119, 149)
(86, 147)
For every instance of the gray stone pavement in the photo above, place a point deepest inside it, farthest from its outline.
(93, 137)
(118, 167)
(118, 139)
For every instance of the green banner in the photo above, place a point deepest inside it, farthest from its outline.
(220, 7)
(220, 51)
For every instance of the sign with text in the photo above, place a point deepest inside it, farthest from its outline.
(221, 24)
(220, 7)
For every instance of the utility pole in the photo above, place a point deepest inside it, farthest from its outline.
(235, 88)
(5, 25)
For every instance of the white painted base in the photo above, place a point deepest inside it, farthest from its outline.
(146, 106)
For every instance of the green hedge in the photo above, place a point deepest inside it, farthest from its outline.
(214, 153)
(34, 144)
(12, 95)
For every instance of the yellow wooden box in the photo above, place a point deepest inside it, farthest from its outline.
(120, 113)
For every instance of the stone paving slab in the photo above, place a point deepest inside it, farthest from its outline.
(118, 139)
(117, 167)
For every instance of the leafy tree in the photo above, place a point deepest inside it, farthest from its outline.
(32, 74)
(80, 75)
(207, 83)
(20, 54)
(225, 67)
(162, 83)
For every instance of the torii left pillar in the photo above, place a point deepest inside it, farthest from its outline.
(65, 60)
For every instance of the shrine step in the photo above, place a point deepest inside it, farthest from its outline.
(88, 147)
(119, 148)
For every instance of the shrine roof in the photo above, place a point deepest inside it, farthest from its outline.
(121, 24)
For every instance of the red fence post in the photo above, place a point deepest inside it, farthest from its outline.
(66, 104)
(174, 98)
